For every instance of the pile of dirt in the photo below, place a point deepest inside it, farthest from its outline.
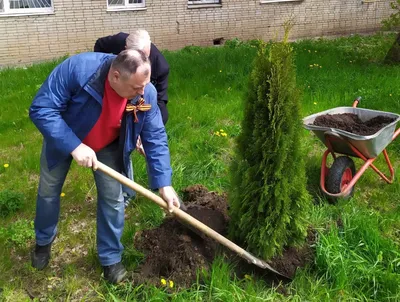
(175, 252)
(351, 123)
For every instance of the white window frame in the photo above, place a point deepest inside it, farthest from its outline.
(127, 6)
(198, 2)
(6, 11)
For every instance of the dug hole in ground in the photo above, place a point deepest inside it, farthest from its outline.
(174, 252)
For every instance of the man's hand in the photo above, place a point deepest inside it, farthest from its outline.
(169, 195)
(85, 156)
(139, 146)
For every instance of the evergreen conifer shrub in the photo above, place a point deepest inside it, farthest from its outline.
(268, 199)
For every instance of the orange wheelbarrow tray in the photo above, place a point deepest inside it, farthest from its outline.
(338, 181)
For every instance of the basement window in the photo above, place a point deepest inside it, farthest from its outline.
(204, 3)
(116, 5)
(274, 1)
(25, 7)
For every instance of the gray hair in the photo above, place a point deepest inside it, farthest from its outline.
(139, 39)
(128, 61)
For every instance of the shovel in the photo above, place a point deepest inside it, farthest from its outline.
(186, 218)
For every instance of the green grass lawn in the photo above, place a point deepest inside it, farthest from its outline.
(358, 247)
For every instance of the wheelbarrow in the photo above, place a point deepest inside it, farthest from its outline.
(338, 181)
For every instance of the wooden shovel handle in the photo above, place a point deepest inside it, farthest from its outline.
(181, 215)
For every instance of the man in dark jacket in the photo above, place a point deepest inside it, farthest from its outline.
(91, 108)
(140, 40)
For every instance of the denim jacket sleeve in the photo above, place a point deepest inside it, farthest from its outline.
(49, 104)
(155, 143)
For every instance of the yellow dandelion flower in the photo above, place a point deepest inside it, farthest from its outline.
(311, 66)
(315, 103)
(217, 133)
(315, 64)
(163, 282)
(309, 50)
(248, 277)
(62, 194)
(320, 67)
(224, 134)
(221, 130)
(315, 51)
(171, 283)
(308, 86)
(389, 95)
(220, 71)
(6, 165)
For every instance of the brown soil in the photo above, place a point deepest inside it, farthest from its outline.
(287, 264)
(293, 258)
(175, 252)
(351, 123)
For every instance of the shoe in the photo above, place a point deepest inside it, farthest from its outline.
(41, 256)
(115, 273)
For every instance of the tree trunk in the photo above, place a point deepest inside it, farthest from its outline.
(393, 55)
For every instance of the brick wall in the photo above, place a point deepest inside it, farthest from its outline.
(76, 24)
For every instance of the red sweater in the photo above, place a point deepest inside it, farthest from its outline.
(107, 127)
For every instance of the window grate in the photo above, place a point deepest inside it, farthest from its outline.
(23, 4)
(204, 2)
(25, 7)
(125, 3)
(116, 2)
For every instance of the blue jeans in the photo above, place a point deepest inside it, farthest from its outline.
(110, 204)
(127, 192)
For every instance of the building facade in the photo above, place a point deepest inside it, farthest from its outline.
(38, 30)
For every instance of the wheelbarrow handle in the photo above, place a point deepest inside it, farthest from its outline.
(181, 215)
(356, 101)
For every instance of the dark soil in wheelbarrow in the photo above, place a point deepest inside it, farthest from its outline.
(351, 123)
(176, 253)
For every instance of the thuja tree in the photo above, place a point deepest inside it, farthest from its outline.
(268, 199)
(393, 55)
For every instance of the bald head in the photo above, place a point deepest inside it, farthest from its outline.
(129, 61)
(130, 73)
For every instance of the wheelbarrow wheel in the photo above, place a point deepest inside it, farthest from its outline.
(339, 176)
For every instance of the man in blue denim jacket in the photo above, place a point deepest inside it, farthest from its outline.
(79, 110)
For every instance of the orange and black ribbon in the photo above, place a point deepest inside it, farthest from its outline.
(138, 106)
